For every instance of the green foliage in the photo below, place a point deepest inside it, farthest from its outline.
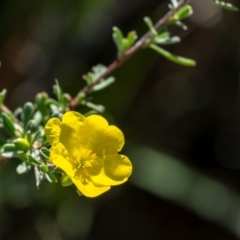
(122, 43)
(225, 5)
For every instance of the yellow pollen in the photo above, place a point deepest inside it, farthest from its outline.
(84, 158)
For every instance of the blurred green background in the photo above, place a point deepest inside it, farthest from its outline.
(182, 125)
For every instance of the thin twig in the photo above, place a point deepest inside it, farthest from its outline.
(140, 44)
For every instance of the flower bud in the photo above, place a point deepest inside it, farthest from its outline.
(22, 144)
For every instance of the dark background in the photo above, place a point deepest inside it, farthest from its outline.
(182, 125)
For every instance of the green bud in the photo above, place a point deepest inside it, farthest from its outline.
(41, 98)
(44, 169)
(21, 144)
(65, 180)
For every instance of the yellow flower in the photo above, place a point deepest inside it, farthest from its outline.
(86, 148)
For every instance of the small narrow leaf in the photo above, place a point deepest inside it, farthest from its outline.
(37, 135)
(177, 59)
(44, 153)
(8, 124)
(149, 23)
(98, 108)
(51, 177)
(225, 5)
(23, 168)
(182, 13)
(118, 38)
(2, 96)
(27, 114)
(57, 90)
(33, 160)
(105, 83)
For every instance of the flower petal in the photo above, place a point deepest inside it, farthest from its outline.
(69, 137)
(59, 157)
(117, 168)
(89, 189)
(97, 135)
(52, 130)
(110, 141)
(114, 139)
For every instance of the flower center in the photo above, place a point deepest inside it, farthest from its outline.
(83, 159)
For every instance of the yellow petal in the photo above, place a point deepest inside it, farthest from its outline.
(59, 157)
(91, 133)
(114, 139)
(117, 168)
(69, 137)
(52, 129)
(97, 135)
(89, 189)
(109, 141)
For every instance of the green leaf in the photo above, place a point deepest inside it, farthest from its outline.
(58, 170)
(23, 168)
(167, 40)
(174, 3)
(37, 117)
(8, 124)
(2, 96)
(33, 160)
(99, 108)
(182, 13)
(44, 153)
(132, 37)
(51, 177)
(149, 23)
(177, 59)
(105, 83)
(40, 101)
(118, 40)
(27, 114)
(57, 90)
(37, 135)
(65, 180)
(65, 100)
(23, 157)
(9, 150)
(17, 111)
(122, 43)
(80, 97)
(225, 5)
